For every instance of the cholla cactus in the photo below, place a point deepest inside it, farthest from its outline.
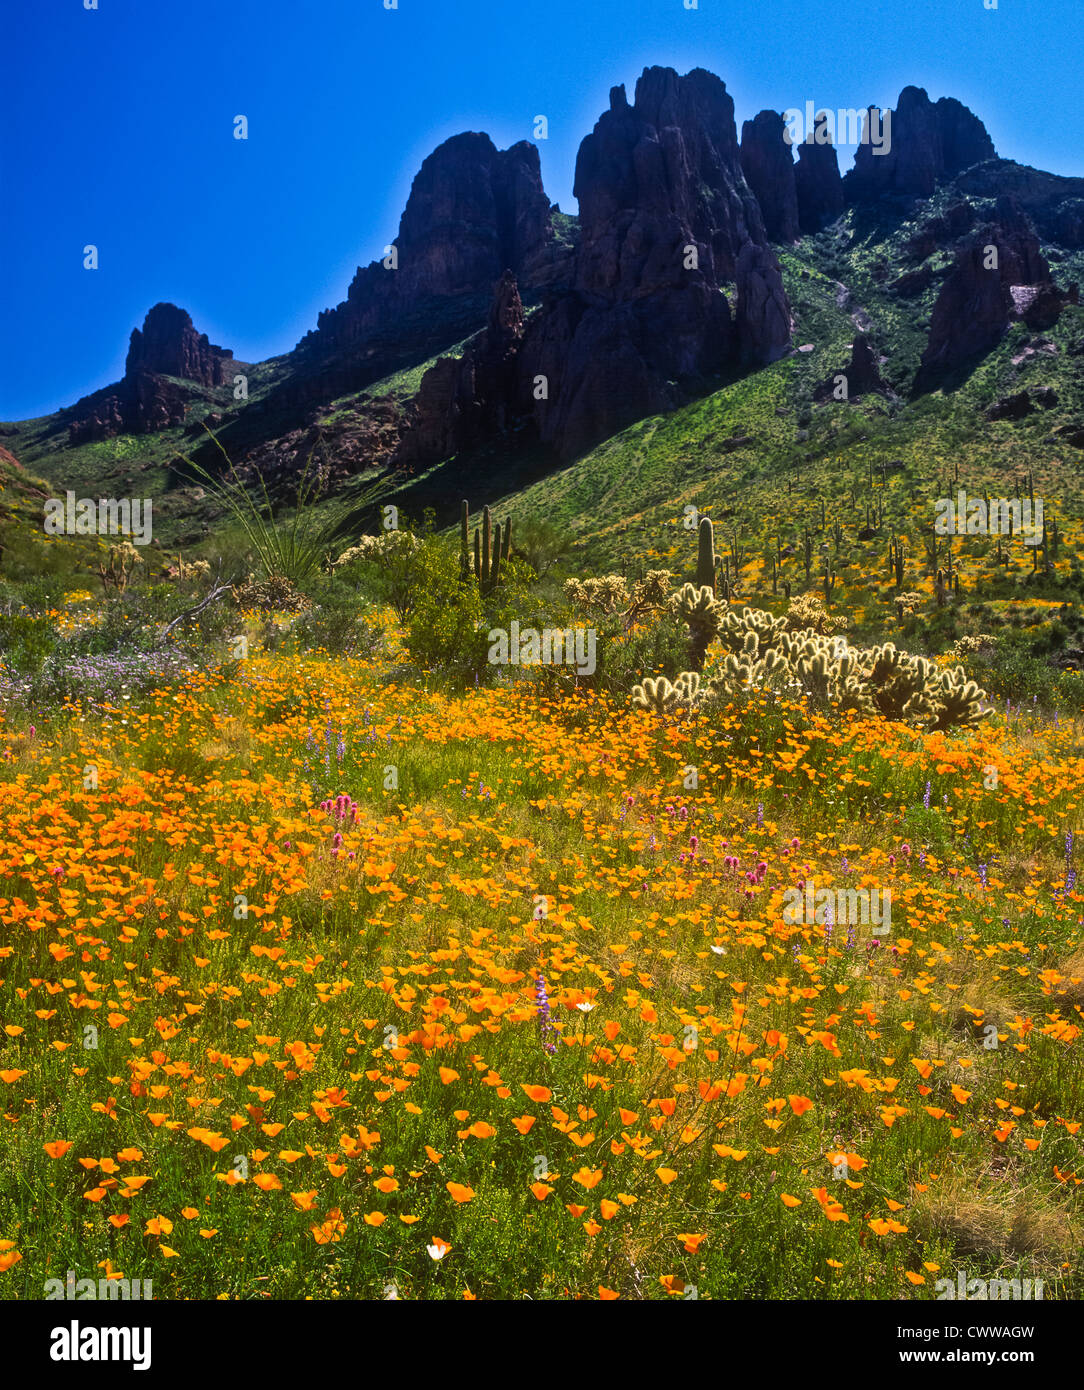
(976, 642)
(900, 684)
(703, 613)
(907, 603)
(960, 701)
(763, 654)
(807, 613)
(663, 698)
(749, 671)
(736, 627)
(607, 594)
(118, 570)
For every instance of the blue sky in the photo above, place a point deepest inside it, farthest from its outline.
(117, 130)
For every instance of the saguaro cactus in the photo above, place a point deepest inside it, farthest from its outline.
(492, 545)
(705, 555)
(895, 560)
(464, 540)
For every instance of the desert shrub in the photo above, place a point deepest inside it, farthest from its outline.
(1010, 669)
(659, 645)
(444, 631)
(269, 595)
(541, 543)
(341, 624)
(25, 643)
(386, 568)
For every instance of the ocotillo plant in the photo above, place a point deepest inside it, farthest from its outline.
(705, 555)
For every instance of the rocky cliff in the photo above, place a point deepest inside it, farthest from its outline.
(474, 212)
(168, 345)
(928, 143)
(670, 234)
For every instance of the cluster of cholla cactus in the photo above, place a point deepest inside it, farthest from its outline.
(611, 594)
(808, 613)
(662, 697)
(492, 547)
(117, 569)
(762, 654)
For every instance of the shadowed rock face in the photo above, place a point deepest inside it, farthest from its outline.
(463, 400)
(474, 212)
(930, 142)
(979, 299)
(862, 373)
(667, 224)
(143, 401)
(768, 166)
(169, 345)
(818, 185)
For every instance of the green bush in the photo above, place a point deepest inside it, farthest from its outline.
(25, 642)
(1011, 669)
(342, 624)
(444, 632)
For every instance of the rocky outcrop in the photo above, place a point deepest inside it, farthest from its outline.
(999, 275)
(474, 212)
(144, 400)
(817, 182)
(169, 345)
(768, 166)
(668, 226)
(929, 143)
(862, 374)
(1022, 403)
(462, 400)
(1054, 202)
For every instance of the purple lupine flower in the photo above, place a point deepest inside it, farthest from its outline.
(982, 875)
(926, 798)
(760, 814)
(545, 1022)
